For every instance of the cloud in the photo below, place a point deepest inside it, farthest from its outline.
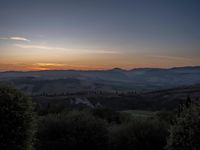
(38, 47)
(102, 51)
(170, 57)
(19, 39)
(34, 66)
(15, 38)
(49, 64)
(26, 46)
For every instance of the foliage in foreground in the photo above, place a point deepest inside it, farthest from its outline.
(139, 135)
(75, 130)
(185, 133)
(16, 120)
(99, 129)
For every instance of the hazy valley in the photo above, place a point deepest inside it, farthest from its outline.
(115, 80)
(143, 89)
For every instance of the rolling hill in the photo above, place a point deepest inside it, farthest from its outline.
(73, 81)
(167, 99)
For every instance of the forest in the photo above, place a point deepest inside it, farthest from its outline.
(28, 125)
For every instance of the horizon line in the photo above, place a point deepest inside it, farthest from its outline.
(114, 68)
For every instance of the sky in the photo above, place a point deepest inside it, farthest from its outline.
(98, 34)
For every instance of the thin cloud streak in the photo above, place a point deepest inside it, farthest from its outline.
(170, 57)
(102, 51)
(49, 64)
(38, 47)
(15, 38)
(19, 39)
(25, 46)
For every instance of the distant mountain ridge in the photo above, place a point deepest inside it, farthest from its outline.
(113, 69)
(116, 79)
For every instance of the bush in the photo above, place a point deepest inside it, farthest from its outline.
(73, 131)
(166, 116)
(110, 116)
(16, 120)
(106, 114)
(139, 135)
(50, 109)
(185, 133)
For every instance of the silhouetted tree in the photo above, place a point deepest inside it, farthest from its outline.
(185, 133)
(16, 120)
(106, 114)
(139, 135)
(188, 102)
(73, 131)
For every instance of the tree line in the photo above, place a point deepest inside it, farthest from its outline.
(26, 126)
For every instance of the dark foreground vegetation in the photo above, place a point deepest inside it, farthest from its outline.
(17, 120)
(28, 126)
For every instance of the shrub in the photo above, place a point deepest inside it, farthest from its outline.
(110, 116)
(50, 109)
(185, 133)
(106, 114)
(139, 135)
(16, 120)
(166, 116)
(73, 131)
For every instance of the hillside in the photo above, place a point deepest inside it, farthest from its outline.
(73, 81)
(157, 100)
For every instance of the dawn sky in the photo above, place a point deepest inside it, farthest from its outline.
(98, 34)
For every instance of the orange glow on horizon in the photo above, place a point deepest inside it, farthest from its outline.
(59, 66)
(90, 62)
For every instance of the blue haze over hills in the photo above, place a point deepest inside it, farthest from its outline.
(72, 81)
